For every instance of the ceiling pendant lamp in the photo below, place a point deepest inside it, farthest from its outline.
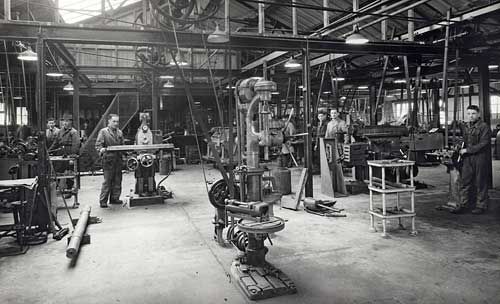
(68, 86)
(28, 55)
(292, 63)
(168, 84)
(356, 37)
(218, 36)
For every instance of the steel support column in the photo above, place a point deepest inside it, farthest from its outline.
(485, 105)
(76, 102)
(373, 104)
(307, 122)
(7, 10)
(41, 113)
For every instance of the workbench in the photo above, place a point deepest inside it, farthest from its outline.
(384, 187)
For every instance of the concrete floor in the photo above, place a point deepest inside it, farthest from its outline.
(166, 253)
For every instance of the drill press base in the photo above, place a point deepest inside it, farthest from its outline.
(262, 282)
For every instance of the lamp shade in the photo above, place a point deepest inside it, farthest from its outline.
(68, 86)
(356, 38)
(28, 55)
(292, 63)
(218, 36)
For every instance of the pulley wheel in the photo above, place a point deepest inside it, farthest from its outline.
(274, 224)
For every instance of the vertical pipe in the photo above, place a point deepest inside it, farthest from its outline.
(76, 102)
(294, 18)
(227, 28)
(261, 19)
(383, 27)
(144, 11)
(307, 121)
(355, 8)
(56, 14)
(411, 25)
(445, 76)
(435, 106)
(41, 114)
(326, 17)
(103, 11)
(7, 10)
(154, 99)
(372, 95)
(230, 123)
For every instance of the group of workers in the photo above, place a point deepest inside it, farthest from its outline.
(65, 141)
(475, 153)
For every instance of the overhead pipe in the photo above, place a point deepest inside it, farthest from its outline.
(357, 20)
(337, 21)
(386, 17)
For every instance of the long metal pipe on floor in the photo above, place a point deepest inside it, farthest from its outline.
(78, 233)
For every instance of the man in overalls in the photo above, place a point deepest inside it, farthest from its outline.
(475, 166)
(111, 162)
(66, 143)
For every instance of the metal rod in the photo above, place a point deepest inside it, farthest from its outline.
(411, 25)
(307, 121)
(445, 76)
(390, 15)
(348, 16)
(357, 20)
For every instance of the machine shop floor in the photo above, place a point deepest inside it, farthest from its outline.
(166, 253)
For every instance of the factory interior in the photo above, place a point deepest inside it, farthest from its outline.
(271, 151)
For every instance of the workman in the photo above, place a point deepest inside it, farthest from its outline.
(287, 148)
(476, 162)
(111, 161)
(320, 133)
(337, 128)
(66, 143)
(51, 132)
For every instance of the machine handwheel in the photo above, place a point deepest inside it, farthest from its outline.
(132, 163)
(147, 160)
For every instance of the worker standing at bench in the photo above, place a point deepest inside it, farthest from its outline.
(111, 162)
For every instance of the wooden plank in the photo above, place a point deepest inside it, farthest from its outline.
(326, 175)
(294, 205)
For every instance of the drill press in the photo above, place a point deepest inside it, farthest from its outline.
(250, 217)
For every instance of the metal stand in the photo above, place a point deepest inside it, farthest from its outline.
(385, 187)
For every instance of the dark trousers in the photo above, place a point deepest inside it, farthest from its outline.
(112, 185)
(475, 181)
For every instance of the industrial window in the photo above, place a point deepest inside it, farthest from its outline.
(3, 115)
(495, 106)
(21, 116)
(77, 10)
